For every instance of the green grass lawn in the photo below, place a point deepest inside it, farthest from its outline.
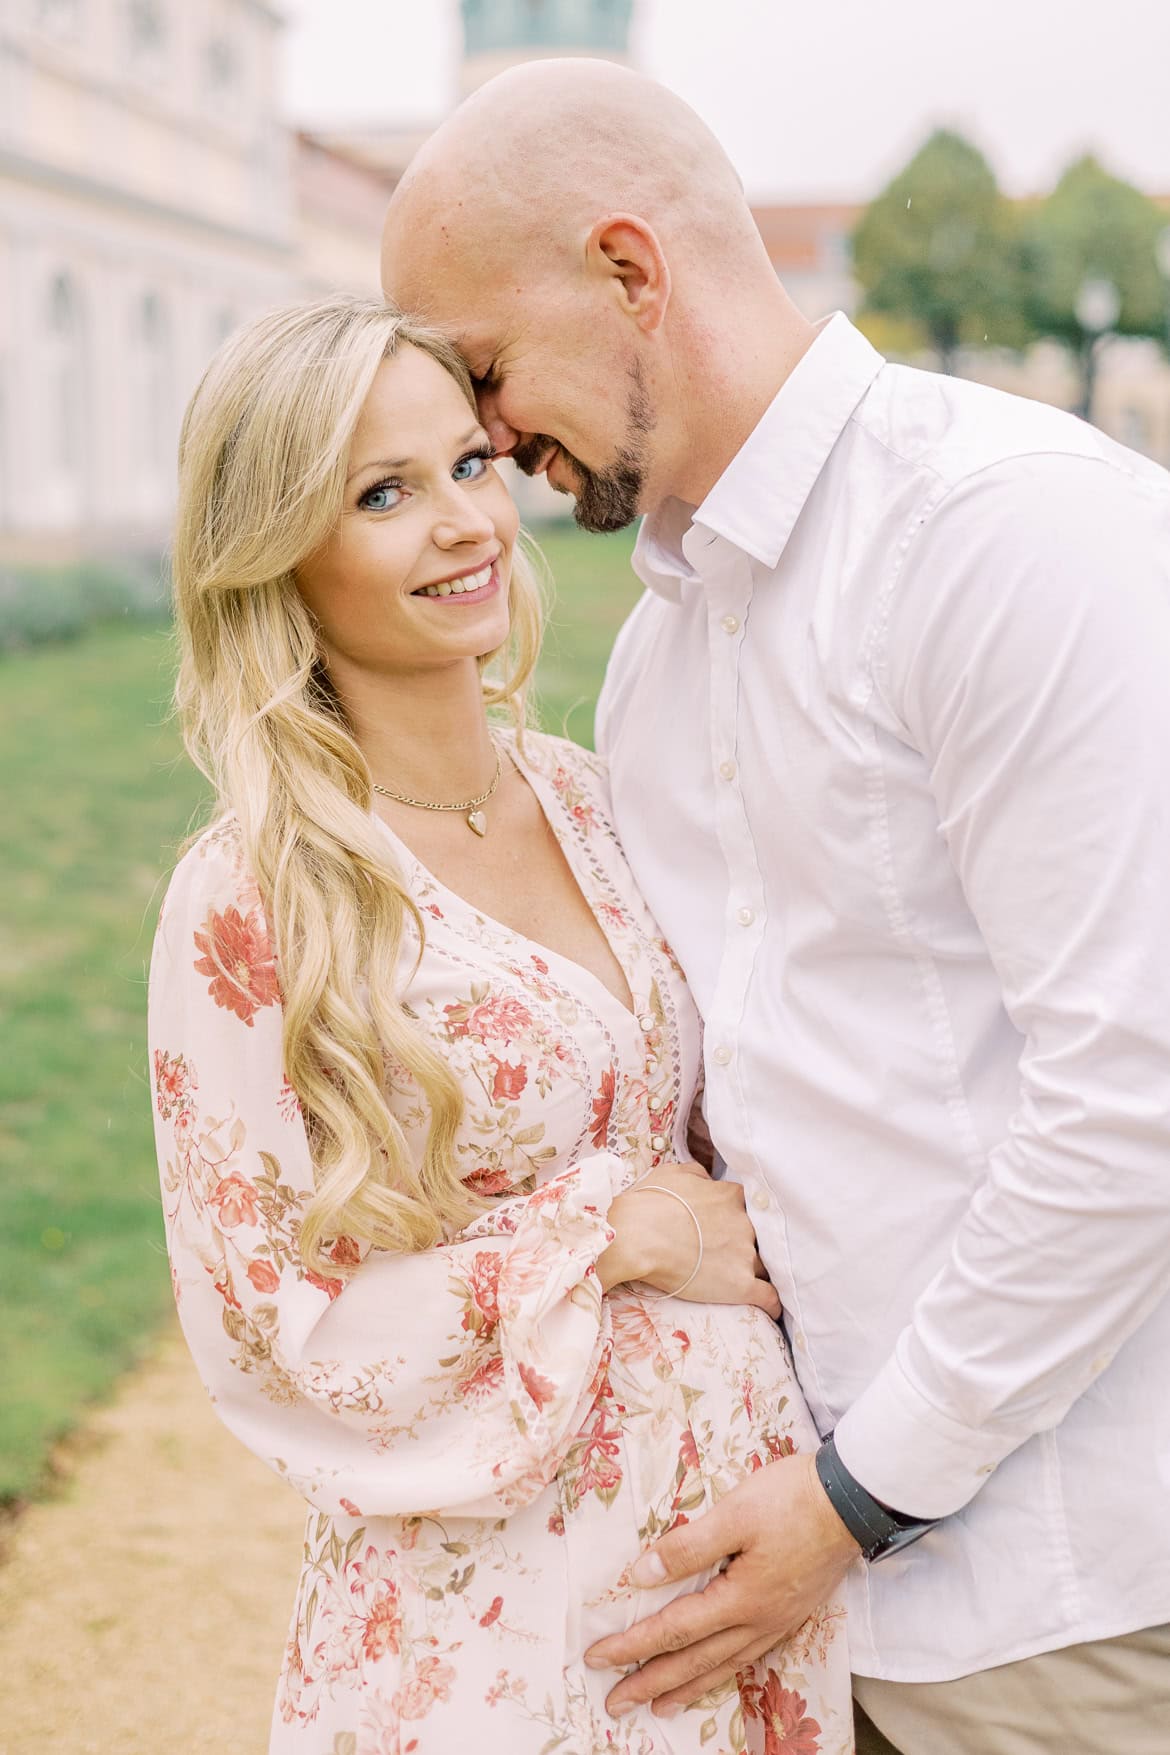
(98, 797)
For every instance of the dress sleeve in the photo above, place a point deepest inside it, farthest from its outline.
(453, 1380)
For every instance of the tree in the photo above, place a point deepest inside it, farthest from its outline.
(1094, 241)
(937, 246)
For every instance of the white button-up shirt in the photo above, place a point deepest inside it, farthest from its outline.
(889, 738)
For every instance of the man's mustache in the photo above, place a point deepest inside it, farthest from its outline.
(531, 453)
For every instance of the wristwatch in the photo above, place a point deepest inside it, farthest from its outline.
(878, 1530)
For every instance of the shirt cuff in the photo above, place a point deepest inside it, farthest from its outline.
(911, 1457)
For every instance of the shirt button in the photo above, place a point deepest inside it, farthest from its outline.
(722, 1057)
(658, 1142)
(745, 916)
(727, 770)
(760, 1198)
(646, 1022)
(654, 1105)
(730, 624)
(1101, 1361)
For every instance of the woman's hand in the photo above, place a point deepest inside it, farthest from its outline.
(655, 1241)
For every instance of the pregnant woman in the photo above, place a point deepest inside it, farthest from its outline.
(423, 1075)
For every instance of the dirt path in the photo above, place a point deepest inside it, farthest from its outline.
(143, 1611)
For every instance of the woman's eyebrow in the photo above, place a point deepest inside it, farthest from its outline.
(405, 462)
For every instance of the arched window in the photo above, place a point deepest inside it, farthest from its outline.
(64, 443)
(153, 345)
(65, 377)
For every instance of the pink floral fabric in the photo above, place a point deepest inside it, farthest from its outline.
(484, 1440)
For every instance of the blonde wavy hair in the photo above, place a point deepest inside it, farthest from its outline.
(262, 464)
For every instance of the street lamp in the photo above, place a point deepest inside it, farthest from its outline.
(1162, 252)
(1098, 306)
(1162, 257)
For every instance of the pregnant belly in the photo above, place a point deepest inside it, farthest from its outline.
(696, 1398)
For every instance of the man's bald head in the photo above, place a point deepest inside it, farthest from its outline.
(525, 166)
(583, 237)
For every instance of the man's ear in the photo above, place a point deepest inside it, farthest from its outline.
(624, 250)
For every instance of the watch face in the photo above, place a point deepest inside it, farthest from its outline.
(901, 1539)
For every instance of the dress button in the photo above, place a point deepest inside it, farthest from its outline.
(727, 770)
(658, 1142)
(654, 1105)
(760, 1198)
(722, 1056)
(745, 916)
(730, 624)
(645, 1022)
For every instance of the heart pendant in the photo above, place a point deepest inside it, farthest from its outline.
(477, 821)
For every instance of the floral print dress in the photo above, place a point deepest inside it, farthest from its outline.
(485, 1441)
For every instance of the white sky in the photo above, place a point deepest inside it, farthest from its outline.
(825, 99)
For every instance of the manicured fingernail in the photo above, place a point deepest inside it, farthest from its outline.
(671, 1710)
(648, 1571)
(597, 1663)
(623, 1709)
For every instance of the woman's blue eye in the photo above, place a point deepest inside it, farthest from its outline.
(376, 499)
(468, 468)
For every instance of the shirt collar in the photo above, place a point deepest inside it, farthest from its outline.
(758, 498)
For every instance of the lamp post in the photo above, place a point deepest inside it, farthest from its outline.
(1097, 309)
(1162, 257)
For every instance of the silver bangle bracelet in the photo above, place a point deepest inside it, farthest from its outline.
(657, 1188)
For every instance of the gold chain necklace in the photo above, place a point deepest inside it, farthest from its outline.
(470, 806)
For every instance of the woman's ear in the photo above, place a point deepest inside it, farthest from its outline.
(624, 250)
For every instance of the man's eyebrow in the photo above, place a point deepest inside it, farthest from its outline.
(405, 462)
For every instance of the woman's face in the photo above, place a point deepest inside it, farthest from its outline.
(416, 574)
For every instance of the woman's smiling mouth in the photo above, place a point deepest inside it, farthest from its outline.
(473, 587)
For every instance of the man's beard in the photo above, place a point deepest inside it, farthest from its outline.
(610, 498)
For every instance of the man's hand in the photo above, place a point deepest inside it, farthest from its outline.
(788, 1549)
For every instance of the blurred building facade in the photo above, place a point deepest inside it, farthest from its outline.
(152, 197)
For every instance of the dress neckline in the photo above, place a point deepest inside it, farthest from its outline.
(554, 813)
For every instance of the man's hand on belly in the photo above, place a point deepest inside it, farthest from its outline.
(788, 1552)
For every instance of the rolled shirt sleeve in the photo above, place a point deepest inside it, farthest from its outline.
(1026, 656)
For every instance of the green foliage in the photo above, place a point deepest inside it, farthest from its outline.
(936, 246)
(593, 592)
(96, 803)
(43, 604)
(1093, 227)
(98, 797)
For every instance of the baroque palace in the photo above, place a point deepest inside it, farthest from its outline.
(152, 197)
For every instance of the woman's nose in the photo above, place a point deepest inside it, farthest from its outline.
(462, 518)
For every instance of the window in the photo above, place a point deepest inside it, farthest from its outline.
(147, 26)
(220, 66)
(63, 448)
(62, 17)
(65, 363)
(154, 414)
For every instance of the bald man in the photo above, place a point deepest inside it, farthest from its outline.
(888, 741)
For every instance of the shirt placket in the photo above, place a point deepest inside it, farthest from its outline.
(728, 582)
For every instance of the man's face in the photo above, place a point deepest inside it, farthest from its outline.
(555, 391)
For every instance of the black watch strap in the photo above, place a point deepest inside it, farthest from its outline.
(876, 1529)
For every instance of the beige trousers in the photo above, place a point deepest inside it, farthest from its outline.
(1111, 1697)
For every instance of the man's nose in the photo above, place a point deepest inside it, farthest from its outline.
(504, 438)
